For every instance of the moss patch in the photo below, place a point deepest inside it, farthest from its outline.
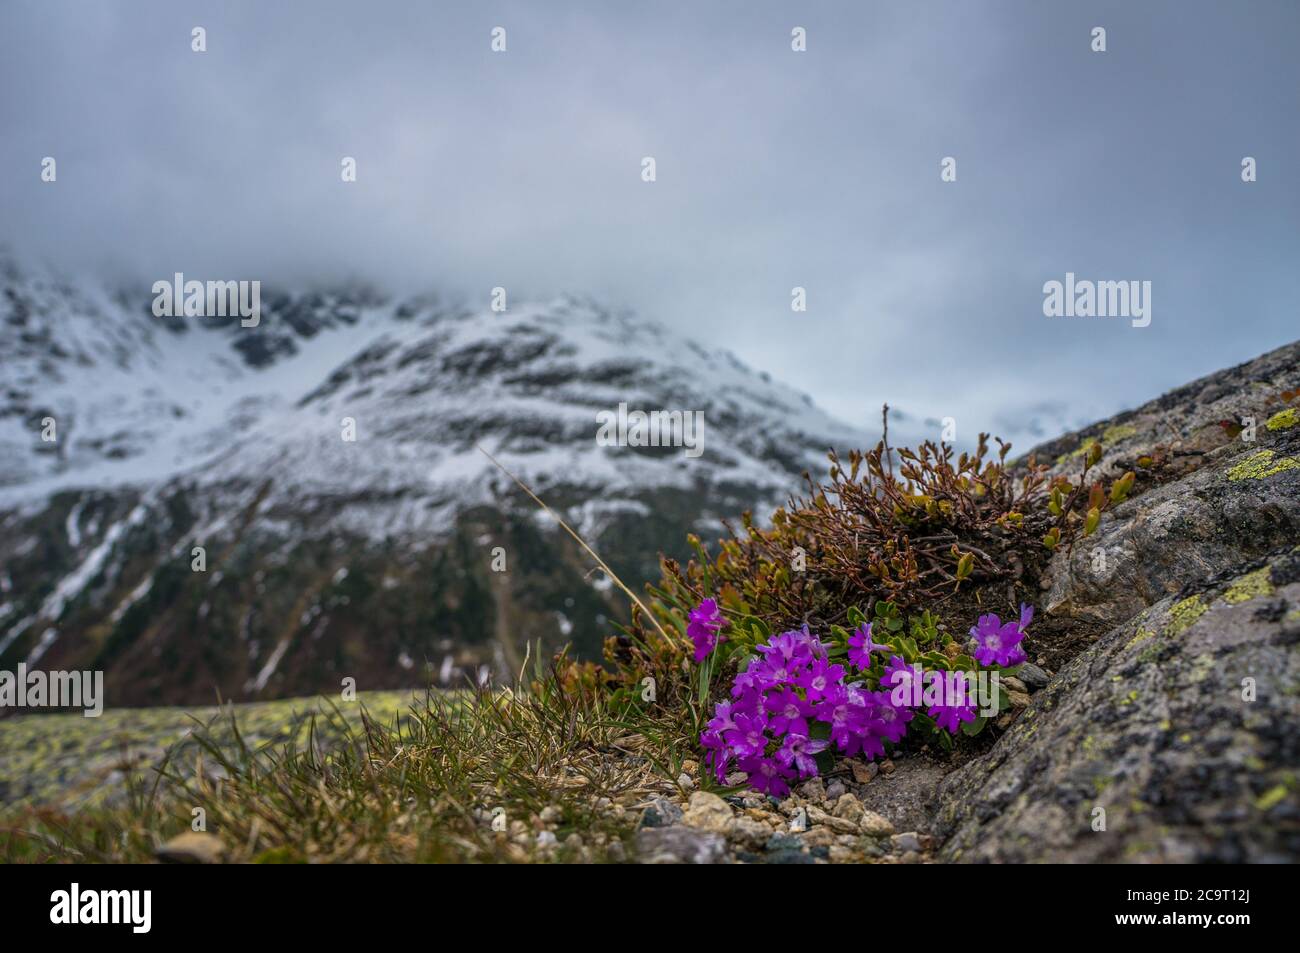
(1263, 464)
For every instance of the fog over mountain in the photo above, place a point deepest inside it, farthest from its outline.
(775, 169)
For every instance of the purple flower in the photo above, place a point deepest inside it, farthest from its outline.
(798, 751)
(767, 776)
(904, 680)
(772, 672)
(746, 683)
(998, 643)
(861, 646)
(705, 621)
(787, 712)
(788, 650)
(793, 687)
(722, 720)
(955, 702)
(842, 709)
(820, 679)
(888, 720)
(748, 737)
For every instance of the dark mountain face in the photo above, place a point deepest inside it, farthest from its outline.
(198, 507)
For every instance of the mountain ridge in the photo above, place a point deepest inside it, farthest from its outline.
(179, 433)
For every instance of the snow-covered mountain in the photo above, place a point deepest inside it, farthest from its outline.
(327, 556)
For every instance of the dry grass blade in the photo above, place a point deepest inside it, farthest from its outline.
(581, 542)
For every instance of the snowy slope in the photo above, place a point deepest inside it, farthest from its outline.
(181, 432)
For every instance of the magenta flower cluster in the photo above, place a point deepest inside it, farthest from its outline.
(703, 627)
(793, 702)
(769, 728)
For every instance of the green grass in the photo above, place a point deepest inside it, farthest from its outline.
(72, 762)
(303, 781)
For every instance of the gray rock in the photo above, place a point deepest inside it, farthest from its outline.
(1151, 727)
(789, 857)
(838, 824)
(875, 825)
(1033, 676)
(1143, 745)
(849, 808)
(661, 812)
(909, 841)
(783, 842)
(749, 833)
(1211, 509)
(708, 812)
(814, 791)
(679, 845)
(864, 773)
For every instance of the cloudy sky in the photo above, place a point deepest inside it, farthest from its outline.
(775, 169)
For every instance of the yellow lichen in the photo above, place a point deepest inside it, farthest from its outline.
(1183, 614)
(1283, 419)
(1117, 433)
(1263, 464)
(1141, 636)
(1249, 586)
(1084, 447)
(1271, 798)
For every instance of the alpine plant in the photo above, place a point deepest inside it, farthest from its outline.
(801, 699)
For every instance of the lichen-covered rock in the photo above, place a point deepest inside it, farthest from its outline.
(1175, 738)
(1177, 534)
(1212, 493)
(1186, 424)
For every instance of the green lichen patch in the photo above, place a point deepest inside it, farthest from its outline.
(1283, 419)
(1249, 586)
(1263, 464)
(1183, 614)
(1117, 433)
